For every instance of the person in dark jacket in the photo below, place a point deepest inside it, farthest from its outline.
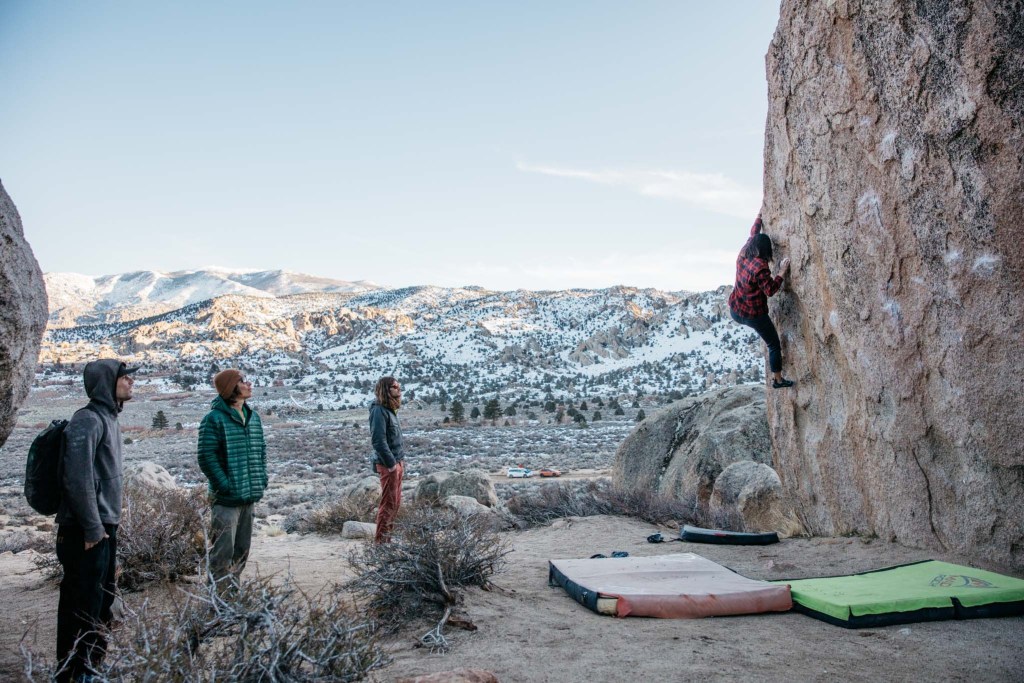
(90, 511)
(748, 303)
(233, 456)
(386, 437)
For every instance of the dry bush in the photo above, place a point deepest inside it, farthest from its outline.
(432, 552)
(556, 500)
(262, 632)
(161, 537)
(162, 534)
(330, 518)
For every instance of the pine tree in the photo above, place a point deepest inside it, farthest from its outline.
(160, 420)
(458, 411)
(640, 416)
(492, 410)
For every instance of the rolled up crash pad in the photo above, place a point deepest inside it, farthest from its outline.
(679, 586)
(923, 591)
(695, 534)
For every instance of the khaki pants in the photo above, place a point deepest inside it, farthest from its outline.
(231, 532)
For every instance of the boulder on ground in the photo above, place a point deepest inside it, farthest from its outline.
(476, 484)
(429, 487)
(366, 490)
(358, 530)
(466, 506)
(753, 492)
(149, 474)
(680, 451)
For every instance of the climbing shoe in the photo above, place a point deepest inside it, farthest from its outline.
(783, 384)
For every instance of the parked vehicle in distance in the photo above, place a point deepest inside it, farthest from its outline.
(519, 472)
(548, 472)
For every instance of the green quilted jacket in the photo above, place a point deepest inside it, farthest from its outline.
(232, 455)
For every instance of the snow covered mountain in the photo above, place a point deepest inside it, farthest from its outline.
(80, 300)
(329, 346)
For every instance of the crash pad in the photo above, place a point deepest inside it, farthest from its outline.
(922, 591)
(677, 586)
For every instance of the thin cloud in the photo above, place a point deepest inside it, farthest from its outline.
(708, 191)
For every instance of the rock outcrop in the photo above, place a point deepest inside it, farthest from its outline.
(149, 474)
(894, 180)
(752, 492)
(476, 484)
(681, 451)
(23, 316)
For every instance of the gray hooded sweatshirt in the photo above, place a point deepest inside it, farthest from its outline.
(93, 464)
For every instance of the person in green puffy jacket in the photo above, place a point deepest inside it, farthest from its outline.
(233, 456)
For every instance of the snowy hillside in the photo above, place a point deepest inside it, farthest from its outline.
(443, 342)
(79, 299)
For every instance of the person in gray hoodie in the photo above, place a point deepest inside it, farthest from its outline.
(90, 510)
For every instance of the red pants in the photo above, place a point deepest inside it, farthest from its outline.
(390, 500)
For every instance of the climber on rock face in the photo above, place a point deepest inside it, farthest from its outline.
(748, 303)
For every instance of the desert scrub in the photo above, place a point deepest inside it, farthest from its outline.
(162, 536)
(554, 500)
(267, 631)
(331, 517)
(432, 553)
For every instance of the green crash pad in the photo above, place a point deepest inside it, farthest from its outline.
(923, 591)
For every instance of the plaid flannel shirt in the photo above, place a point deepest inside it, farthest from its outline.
(754, 283)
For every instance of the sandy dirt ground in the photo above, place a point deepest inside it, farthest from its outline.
(530, 632)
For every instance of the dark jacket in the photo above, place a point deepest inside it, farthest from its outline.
(93, 464)
(233, 454)
(385, 435)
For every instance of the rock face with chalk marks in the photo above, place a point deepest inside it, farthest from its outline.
(894, 180)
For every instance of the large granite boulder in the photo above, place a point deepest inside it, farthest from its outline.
(22, 317)
(894, 180)
(680, 451)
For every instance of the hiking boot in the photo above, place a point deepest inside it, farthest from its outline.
(783, 384)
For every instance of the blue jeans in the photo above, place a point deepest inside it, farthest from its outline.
(762, 324)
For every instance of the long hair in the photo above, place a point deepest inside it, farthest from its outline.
(382, 392)
(758, 246)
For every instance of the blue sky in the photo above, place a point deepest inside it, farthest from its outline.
(541, 145)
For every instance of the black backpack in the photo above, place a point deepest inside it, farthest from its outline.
(45, 468)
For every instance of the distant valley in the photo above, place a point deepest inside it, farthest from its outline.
(328, 340)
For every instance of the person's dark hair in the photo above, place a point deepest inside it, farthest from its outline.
(382, 392)
(758, 246)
